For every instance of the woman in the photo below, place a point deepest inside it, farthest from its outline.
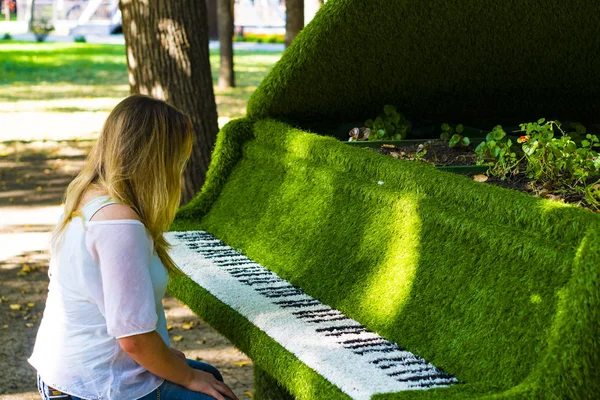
(103, 334)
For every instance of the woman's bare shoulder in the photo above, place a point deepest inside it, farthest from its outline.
(115, 212)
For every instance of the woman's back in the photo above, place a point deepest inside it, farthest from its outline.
(94, 299)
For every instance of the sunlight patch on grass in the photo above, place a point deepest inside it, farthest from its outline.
(66, 105)
(46, 92)
(56, 91)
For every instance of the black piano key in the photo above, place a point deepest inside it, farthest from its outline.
(297, 303)
(406, 363)
(249, 274)
(322, 320)
(279, 295)
(311, 312)
(275, 288)
(362, 340)
(370, 345)
(375, 350)
(242, 265)
(348, 332)
(252, 282)
(337, 328)
(319, 315)
(399, 359)
(422, 378)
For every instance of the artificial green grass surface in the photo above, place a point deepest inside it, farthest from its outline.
(494, 286)
(467, 61)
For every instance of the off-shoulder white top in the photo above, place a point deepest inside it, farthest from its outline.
(106, 282)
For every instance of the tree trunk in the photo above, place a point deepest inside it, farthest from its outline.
(31, 19)
(294, 19)
(168, 58)
(225, 16)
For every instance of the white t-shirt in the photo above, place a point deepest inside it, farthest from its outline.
(106, 282)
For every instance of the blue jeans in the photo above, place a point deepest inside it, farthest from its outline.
(172, 391)
(166, 391)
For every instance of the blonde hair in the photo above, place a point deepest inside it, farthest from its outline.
(138, 159)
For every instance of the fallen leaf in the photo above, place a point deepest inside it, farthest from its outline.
(177, 338)
(553, 197)
(15, 307)
(240, 363)
(30, 305)
(249, 394)
(480, 178)
(39, 189)
(3, 299)
(201, 341)
(29, 325)
(169, 327)
(198, 358)
(187, 325)
(47, 171)
(5, 326)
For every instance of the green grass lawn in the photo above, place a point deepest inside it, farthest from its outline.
(71, 77)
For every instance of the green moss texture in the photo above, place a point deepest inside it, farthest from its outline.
(469, 61)
(497, 287)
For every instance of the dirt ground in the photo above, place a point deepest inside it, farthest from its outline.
(33, 177)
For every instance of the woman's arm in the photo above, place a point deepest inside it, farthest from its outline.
(128, 304)
(151, 352)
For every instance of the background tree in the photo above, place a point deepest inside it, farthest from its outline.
(294, 19)
(167, 57)
(225, 23)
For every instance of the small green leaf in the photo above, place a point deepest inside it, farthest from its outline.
(580, 128)
(499, 134)
(445, 127)
(466, 141)
(570, 147)
(541, 120)
(585, 143)
(460, 128)
(481, 148)
(454, 140)
(369, 123)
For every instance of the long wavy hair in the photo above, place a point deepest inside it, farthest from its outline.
(138, 160)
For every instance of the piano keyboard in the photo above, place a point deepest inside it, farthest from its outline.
(358, 361)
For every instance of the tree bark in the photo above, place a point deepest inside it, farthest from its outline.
(294, 19)
(225, 16)
(168, 58)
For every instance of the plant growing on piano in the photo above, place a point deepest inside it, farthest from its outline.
(454, 135)
(497, 152)
(558, 162)
(389, 125)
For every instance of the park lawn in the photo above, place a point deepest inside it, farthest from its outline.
(82, 77)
